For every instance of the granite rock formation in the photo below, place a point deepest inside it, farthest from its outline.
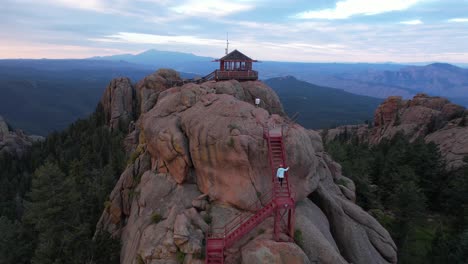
(200, 158)
(435, 119)
(15, 142)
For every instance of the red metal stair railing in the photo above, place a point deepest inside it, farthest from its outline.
(279, 201)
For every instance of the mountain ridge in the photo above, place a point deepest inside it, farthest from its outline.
(322, 107)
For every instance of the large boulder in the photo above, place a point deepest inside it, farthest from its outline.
(219, 139)
(151, 86)
(119, 103)
(453, 143)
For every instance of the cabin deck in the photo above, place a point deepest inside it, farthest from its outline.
(249, 75)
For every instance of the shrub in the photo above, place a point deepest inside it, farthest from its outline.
(132, 193)
(138, 151)
(233, 126)
(208, 219)
(298, 238)
(139, 259)
(231, 142)
(261, 231)
(156, 218)
(342, 182)
(180, 256)
(107, 204)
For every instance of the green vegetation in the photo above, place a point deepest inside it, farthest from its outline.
(231, 142)
(139, 259)
(180, 256)
(407, 188)
(55, 93)
(298, 238)
(233, 126)
(208, 219)
(261, 231)
(156, 218)
(322, 107)
(51, 199)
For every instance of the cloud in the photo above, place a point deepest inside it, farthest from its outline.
(140, 38)
(459, 20)
(92, 5)
(217, 8)
(347, 8)
(412, 22)
(38, 50)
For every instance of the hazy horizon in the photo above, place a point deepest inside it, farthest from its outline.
(343, 31)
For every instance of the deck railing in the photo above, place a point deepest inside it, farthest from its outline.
(238, 75)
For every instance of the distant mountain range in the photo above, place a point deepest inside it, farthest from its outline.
(372, 79)
(187, 62)
(322, 107)
(437, 79)
(44, 95)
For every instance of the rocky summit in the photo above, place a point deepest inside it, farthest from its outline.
(435, 119)
(16, 142)
(199, 158)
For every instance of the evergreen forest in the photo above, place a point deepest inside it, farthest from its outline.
(52, 198)
(407, 187)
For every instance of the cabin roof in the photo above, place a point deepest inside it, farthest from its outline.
(236, 55)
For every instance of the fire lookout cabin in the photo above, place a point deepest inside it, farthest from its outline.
(235, 65)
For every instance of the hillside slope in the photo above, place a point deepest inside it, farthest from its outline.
(322, 107)
(437, 79)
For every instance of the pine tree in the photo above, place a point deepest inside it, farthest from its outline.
(53, 211)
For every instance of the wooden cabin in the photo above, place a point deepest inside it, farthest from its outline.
(237, 66)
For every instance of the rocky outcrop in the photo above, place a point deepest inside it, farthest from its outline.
(416, 118)
(433, 118)
(361, 132)
(452, 140)
(201, 158)
(118, 103)
(268, 251)
(151, 86)
(16, 142)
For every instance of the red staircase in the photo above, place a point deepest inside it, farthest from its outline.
(279, 201)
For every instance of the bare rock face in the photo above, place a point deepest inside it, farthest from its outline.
(219, 139)
(15, 143)
(433, 118)
(118, 103)
(248, 92)
(268, 251)
(416, 118)
(203, 159)
(453, 142)
(362, 132)
(151, 86)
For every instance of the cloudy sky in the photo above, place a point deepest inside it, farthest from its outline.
(282, 30)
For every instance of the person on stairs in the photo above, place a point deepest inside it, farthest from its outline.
(280, 174)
